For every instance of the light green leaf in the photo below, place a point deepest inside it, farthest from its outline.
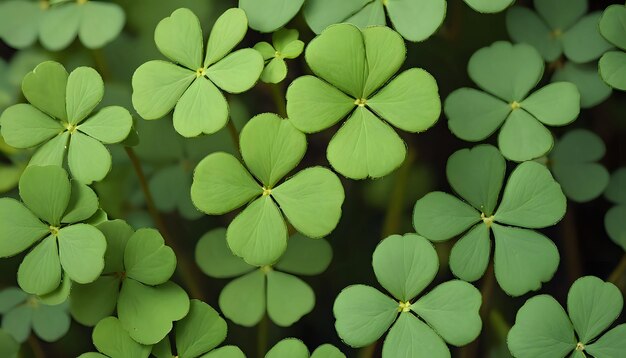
(147, 312)
(81, 250)
(474, 115)
(111, 339)
(201, 109)
(416, 20)
(227, 32)
(19, 228)
(610, 344)
(82, 205)
(275, 71)
(225, 352)
(269, 15)
(410, 337)
(100, 24)
(612, 67)
(18, 323)
(327, 351)
(288, 347)
(288, 298)
(59, 26)
(52, 152)
(147, 259)
(541, 319)
(543, 103)
(215, 258)
(311, 200)
(489, 6)
(40, 271)
(94, 301)
(305, 256)
(470, 255)
(321, 13)
(110, 125)
(531, 198)
(593, 90)
(19, 24)
(45, 88)
(117, 233)
(523, 137)
(87, 158)
(615, 190)
(46, 192)
(612, 25)
(409, 102)
(439, 216)
(314, 105)
(84, 91)
(405, 265)
(266, 50)
(365, 146)
(363, 314)
(559, 18)
(238, 71)
(24, 126)
(385, 52)
(200, 331)
(523, 259)
(243, 300)
(179, 38)
(524, 25)
(258, 234)
(582, 42)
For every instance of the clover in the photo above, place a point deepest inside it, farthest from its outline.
(190, 84)
(294, 348)
(270, 15)
(51, 220)
(57, 23)
(506, 73)
(112, 340)
(8, 346)
(614, 217)
(353, 68)
(269, 288)
(613, 63)
(197, 335)
(285, 44)
(543, 328)
(570, 39)
(22, 313)
(573, 161)
(134, 283)
(271, 147)
(404, 266)
(58, 118)
(523, 258)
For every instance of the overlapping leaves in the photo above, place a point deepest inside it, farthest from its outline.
(612, 65)
(614, 222)
(543, 328)
(271, 148)
(190, 84)
(523, 258)
(270, 15)
(58, 120)
(353, 68)
(50, 220)
(273, 289)
(134, 283)
(294, 348)
(285, 45)
(112, 340)
(506, 74)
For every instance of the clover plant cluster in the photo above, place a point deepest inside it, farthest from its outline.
(110, 217)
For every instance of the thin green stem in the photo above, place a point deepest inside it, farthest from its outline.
(393, 218)
(261, 338)
(618, 272)
(185, 269)
(234, 134)
(486, 290)
(571, 248)
(35, 347)
(278, 95)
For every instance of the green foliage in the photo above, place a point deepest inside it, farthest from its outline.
(270, 15)
(272, 289)
(543, 329)
(285, 44)
(8, 346)
(112, 340)
(612, 65)
(614, 219)
(294, 348)
(404, 266)
(507, 73)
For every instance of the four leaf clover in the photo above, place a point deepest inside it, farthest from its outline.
(269, 288)
(285, 44)
(190, 84)
(294, 348)
(507, 73)
(614, 219)
(612, 64)
(271, 148)
(543, 329)
(134, 281)
(354, 67)
(58, 118)
(523, 258)
(404, 266)
(50, 220)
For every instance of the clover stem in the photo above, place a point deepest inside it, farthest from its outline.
(186, 271)
(278, 95)
(486, 290)
(617, 273)
(234, 133)
(393, 217)
(35, 347)
(570, 245)
(261, 338)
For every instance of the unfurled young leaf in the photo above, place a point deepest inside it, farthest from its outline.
(50, 219)
(270, 15)
(189, 84)
(134, 281)
(404, 266)
(271, 148)
(615, 218)
(543, 328)
(506, 74)
(523, 258)
(355, 69)
(269, 288)
(294, 348)
(285, 45)
(612, 65)
(58, 120)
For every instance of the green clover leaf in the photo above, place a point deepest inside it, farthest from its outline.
(270, 15)
(294, 348)
(57, 23)
(543, 329)
(506, 73)
(190, 84)
(614, 218)
(573, 161)
(532, 199)
(353, 83)
(271, 147)
(8, 346)
(593, 90)
(50, 219)
(22, 313)
(57, 119)
(112, 340)
(415, 20)
(273, 288)
(489, 6)
(135, 278)
(285, 44)
(612, 64)
(197, 335)
(404, 266)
